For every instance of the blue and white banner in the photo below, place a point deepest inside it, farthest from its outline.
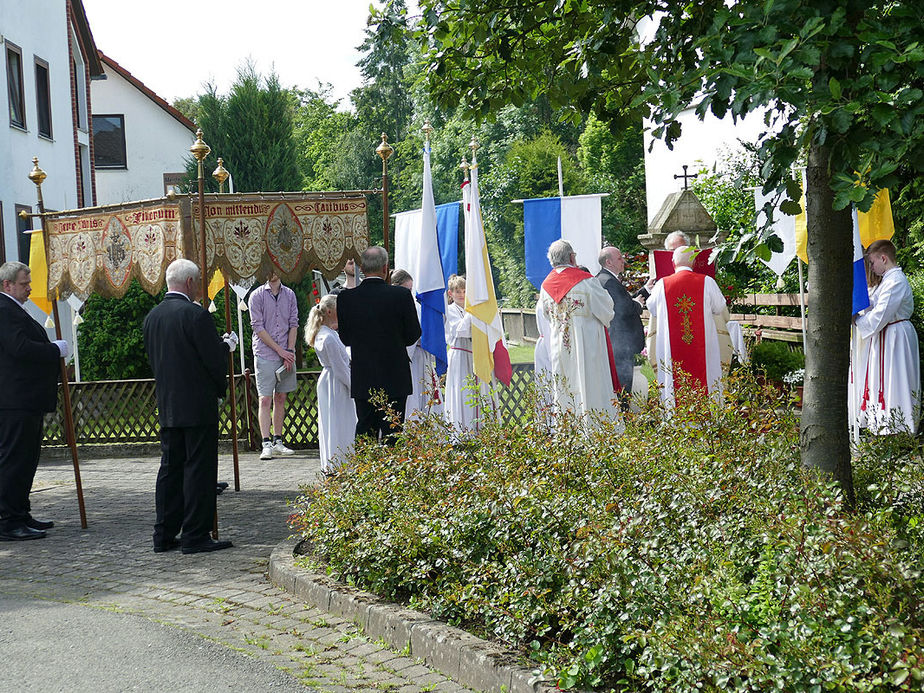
(419, 251)
(860, 287)
(575, 219)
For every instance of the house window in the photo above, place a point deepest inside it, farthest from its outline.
(14, 84)
(23, 239)
(109, 141)
(42, 98)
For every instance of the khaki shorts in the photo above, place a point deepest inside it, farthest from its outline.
(266, 377)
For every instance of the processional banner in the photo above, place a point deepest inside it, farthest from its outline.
(99, 249)
(292, 233)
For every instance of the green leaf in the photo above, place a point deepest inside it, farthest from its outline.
(791, 207)
(834, 86)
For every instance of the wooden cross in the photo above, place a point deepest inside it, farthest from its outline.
(685, 176)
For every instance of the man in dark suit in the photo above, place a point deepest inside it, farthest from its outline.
(29, 370)
(189, 361)
(626, 333)
(378, 322)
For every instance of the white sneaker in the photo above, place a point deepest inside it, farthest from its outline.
(267, 452)
(280, 449)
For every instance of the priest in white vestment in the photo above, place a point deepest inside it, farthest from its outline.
(578, 311)
(336, 411)
(892, 378)
(683, 336)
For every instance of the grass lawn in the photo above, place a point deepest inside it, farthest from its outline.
(521, 353)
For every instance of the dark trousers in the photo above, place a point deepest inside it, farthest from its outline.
(20, 445)
(185, 493)
(372, 422)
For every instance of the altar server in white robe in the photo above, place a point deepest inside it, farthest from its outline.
(336, 411)
(683, 332)
(892, 381)
(464, 400)
(578, 311)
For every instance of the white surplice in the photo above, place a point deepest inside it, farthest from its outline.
(580, 366)
(461, 409)
(891, 382)
(336, 410)
(715, 310)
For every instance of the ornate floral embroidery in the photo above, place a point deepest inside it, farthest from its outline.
(561, 317)
(685, 306)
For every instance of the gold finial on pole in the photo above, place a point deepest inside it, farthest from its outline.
(37, 175)
(465, 166)
(221, 175)
(427, 129)
(474, 146)
(384, 150)
(200, 150)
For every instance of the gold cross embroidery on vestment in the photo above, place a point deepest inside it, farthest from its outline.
(685, 306)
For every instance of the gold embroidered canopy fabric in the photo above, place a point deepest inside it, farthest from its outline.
(291, 233)
(99, 250)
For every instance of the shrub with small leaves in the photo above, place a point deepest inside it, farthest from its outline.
(693, 552)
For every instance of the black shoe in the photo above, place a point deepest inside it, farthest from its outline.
(21, 533)
(207, 546)
(169, 545)
(222, 485)
(39, 524)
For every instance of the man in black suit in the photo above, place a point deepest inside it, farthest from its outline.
(29, 370)
(626, 333)
(189, 361)
(378, 322)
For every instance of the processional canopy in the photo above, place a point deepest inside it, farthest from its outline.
(99, 249)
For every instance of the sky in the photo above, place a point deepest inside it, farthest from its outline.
(176, 46)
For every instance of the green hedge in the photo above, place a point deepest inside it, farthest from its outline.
(694, 553)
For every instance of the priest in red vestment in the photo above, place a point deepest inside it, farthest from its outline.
(684, 341)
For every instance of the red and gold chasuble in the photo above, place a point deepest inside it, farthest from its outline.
(683, 293)
(557, 284)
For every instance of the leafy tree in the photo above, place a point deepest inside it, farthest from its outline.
(252, 130)
(839, 83)
(110, 340)
(614, 162)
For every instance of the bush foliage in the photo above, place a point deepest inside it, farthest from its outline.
(692, 553)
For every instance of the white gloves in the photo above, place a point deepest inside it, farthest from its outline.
(63, 347)
(230, 338)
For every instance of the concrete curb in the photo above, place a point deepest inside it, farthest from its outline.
(461, 656)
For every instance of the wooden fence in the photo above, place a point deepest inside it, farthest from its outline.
(111, 412)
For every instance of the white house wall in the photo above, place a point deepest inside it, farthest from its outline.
(40, 29)
(155, 142)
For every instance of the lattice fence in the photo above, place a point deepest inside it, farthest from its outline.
(125, 411)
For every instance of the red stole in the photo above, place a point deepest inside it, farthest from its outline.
(683, 294)
(557, 285)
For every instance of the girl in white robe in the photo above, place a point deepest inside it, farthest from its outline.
(462, 412)
(892, 381)
(336, 411)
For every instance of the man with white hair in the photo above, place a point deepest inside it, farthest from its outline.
(189, 361)
(578, 311)
(684, 342)
(676, 239)
(627, 337)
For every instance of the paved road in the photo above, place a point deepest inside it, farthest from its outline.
(70, 603)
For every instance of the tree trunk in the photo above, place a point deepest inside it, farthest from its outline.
(824, 433)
